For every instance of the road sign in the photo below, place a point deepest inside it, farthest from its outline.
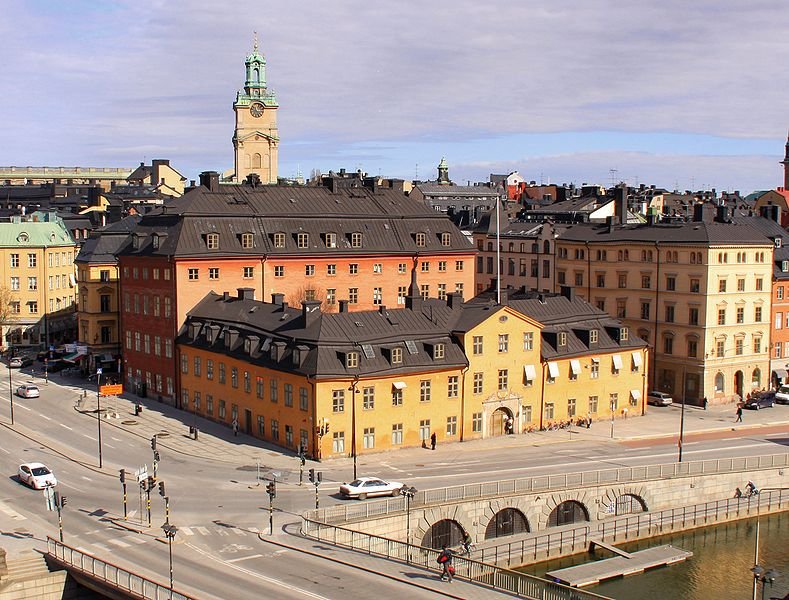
(141, 474)
(49, 496)
(99, 371)
(111, 390)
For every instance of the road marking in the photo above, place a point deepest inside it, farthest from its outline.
(186, 531)
(239, 531)
(134, 539)
(86, 478)
(44, 417)
(202, 531)
(101, 547)
(27, 408)
(92, 532)
(109, 445)
(4, 450)
(66, 426)
(87, 436)
(114, 439)
(131, 513)
(222, 532)
(293, 588)
(235, 560)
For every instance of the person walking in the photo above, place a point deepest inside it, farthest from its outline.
(739, 415)
(433, 441)
(445, 560)
(235, 427)
(705, 402)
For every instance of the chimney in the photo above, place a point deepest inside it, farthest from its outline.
(698, 213)
(722, 215)
(310, 312)
(382, 309)
(344, 306)
(504, 296)
(621, 204)
(414, 299)
(454, 300)
(568, 292)
(226, 296)
(210, 180)
(609, 223)
(246, 293)
(277, 299)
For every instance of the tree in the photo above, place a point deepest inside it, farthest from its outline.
(308, 291)
(6, 296)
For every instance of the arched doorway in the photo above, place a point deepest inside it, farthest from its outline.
(500, 422)
(627, 504)
(444, 533)
(756, 379)
(738, 384)
(509, 521)
(568, 512)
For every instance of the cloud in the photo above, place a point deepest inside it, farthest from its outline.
(380, 83)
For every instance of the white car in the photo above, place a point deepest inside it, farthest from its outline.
(37, 475)
(364, 487)
(28, 390)
(782, 395)
(659, 399)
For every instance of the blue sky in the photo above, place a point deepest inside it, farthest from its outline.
(679, 94)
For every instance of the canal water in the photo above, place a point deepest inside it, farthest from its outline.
(719, 569)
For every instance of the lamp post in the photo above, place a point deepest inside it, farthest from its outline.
(682, 417)
(760, 575)
(613, 410)
(408, 493)
(763, 577)
(353, 423)
(10, 385)
(98, 407)
(170, 531)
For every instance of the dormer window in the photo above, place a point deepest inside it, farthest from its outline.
(419, 238)
(351, 360)
(784, 266)
(303, 240)
(446, 239)
(356, 240)
(212, 241)
(279, 240)
(397, 356)
(623, 333)
(296, 356)
(331, 240)
(155, 241)
(136, 242)
(562, 339)
(593, 336)
(247, 240)
(438, 351)
(778, 242)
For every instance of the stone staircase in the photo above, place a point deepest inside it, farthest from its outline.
(29, 565)
(26, 575)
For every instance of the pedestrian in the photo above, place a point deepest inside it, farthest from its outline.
(739, 414)
(235, 427)
(467, 542)
(445, 560)
(588, 421)
(705, 402)
(433, 441)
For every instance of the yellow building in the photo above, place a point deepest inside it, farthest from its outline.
(37, 274)
(341, 384)
(698, 292)
(97, 278)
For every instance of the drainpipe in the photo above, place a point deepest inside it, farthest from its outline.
(353, 422)
(463, 402)
(316, 438)
(542, 394)
(657, 297)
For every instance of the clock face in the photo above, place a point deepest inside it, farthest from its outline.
(256, 109)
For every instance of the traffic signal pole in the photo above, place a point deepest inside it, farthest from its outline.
(271, 489)
(123, 483)
(98, 409)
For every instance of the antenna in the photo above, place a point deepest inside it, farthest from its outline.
(613, 172)
(416, 172)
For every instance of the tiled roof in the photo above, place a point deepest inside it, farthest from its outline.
(698, 233)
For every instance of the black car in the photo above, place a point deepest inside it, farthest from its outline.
(763, 400)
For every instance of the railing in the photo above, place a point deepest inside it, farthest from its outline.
(548, 483)
(540, 547)
(475, 571)
(109, 574)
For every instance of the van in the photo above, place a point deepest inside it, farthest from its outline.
(782, 395)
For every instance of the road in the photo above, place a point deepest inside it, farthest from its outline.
(220, 506)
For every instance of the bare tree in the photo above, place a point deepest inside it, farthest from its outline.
(6, 296)
(308, 291)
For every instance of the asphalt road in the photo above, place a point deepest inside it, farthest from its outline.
(221, 507)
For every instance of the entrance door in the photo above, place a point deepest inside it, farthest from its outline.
(498, 422)
(738, 384)
(248, 421)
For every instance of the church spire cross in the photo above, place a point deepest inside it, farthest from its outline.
(255, 42)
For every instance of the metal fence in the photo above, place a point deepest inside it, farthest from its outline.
(475, 571)
(547, 483)
(108, 574)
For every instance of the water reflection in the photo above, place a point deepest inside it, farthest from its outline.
(719, 569)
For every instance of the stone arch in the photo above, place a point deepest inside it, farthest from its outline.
(500, 422)
(582, 498)
(506, 522)
(523, 505)
(446, 532)
(628, 496)
(568, 512)
(458, 514)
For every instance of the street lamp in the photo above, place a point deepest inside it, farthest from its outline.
(170, 531)
(98, 407)
(10, 386)
(682, 415)
(759, 573)
(408, 493)
(763, 577)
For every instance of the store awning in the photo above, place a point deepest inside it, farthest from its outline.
(780, 373)
(635, 394)
(575, 367)
(617, 358)
(73, 357)
(530, 372)
(553, 369)
(637, 359)
(399, 385)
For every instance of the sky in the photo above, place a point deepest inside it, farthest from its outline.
(683, 95)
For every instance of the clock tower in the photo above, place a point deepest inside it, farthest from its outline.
(256, 138)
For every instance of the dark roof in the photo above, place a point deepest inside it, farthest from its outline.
(737, 232)
(458, 191)
(103, 244)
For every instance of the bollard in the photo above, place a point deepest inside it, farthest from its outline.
(137, 409)
(196, 432)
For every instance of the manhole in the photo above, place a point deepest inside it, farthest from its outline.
(162, 434)
(128, 422)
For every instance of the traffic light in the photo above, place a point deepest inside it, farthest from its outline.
(153, 443)
(63, 501)
(312, 475)
(161, 489)
(327, 427)
(320, 476)
(271, 488)
(151, 483)
(156, 455)
(123, 475)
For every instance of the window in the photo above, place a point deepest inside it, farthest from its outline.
(740, 285)
(397, 434)
(594, 371)
(722, 285)
(259, 387)
(452, 426)
(193, 274)
(331, 295)
(458, 265)
(303, 399)
(424, 291)
(378, 296)
(504, 342)
(621, 308)
(212, 241)
(331, 240)
(593, 336)
(478, 383)
(693, 348)
(279, 271)
(425, 266)
(503, 379)
(720, 348)
(221, 372)
(669, 313)
(273, 389)
(369, 437)
(757, 344)
(338, 442)
(668, 344)
(32, 260)
(721, 316)
(693, 316)
(419, 238)
(442, 291)
(759, 284)
(571, 407)
(288, 388)
(197, 366)
(424, 390)
(613, 401)
(331, 269)
(338, 401)
(645, 310)
(378, 268)
(234, 377)
(353, 295)
(740, 314)
(549, 412)
(477, 345)
(476, 422)
(646, 281)
(222, 409)
(368, 398)
(356, 240)
(442, 266)
(402, 268)
(249, 272)
(261, 425)
(397, 396)
(671, 283)
(601, 280)
(32, 283)
(397, 356)
(247, 240)
(279, 240)
(757, 314)
(168, 307)
(14, 261)
(184, 363)
(528, 340)
(593, 400)
(168, 348)
(351, 360)
(452, 386)
(213, 272)
(438, 351)
(424, 430)
(274, 429)
(694, 286)
(303, 240)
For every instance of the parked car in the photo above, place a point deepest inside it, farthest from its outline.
(782, 395)
(763, 400)
(36, 475)
(20, 361)
(28, 390)
(659, 399)
(364, 487)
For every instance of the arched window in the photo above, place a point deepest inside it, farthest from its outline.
(719, 382)
(756, 378)
(256, 75)
(256, 161)
(509, 521)
(627, 504)
(568, 512)
(512, 246)
(444, 533)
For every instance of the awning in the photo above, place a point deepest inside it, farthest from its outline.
(780, 373)
(637, 359)
(595, 360)
(553, 369)
(399, 385)
(635, 394)
(73, 357)
(107, 358)
(617, 361)
(530, 372)
(575, 367)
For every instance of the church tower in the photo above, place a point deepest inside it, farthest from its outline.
(785, 163)
(256, 138)
(443, 173)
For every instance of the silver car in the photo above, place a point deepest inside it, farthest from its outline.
(28, 390)
(659, 399)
